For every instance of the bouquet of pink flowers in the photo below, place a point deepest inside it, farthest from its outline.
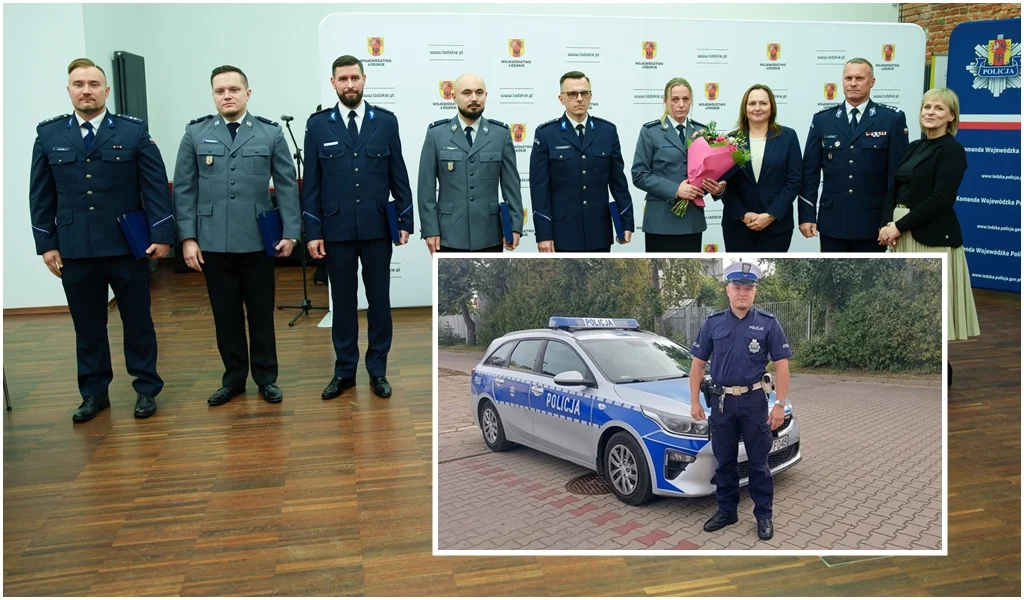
(710, 155)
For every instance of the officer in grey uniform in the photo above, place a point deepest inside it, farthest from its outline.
(471, 157)
(221, 183)
(660, 169)
(742, 340)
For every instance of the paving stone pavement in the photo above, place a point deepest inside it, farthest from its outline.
(870, 479)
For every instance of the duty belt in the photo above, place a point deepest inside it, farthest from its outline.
(738, 390)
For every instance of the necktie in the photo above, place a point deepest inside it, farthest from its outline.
(580, 132)
(88, 135)
(353, 131)
(682, 134)
(233, 129)
(853, 119)
(469, 136)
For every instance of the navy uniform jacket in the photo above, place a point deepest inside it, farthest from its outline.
(859, 168)
(741, 347)
(75, 196)
(570, 182)
(776, 187)
(347, 185)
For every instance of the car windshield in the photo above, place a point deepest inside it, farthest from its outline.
(632, 359)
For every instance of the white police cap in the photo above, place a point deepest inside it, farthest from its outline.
(743, 273)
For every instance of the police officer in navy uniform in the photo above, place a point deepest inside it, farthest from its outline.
(742, 340)
(88, 169)
(576, 160)
(353, 165)
(858, 145)
(221, 183)
(465, 161)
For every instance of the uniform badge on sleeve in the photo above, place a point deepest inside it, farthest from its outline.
(754, 347)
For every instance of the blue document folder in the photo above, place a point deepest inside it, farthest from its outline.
(271, 229)
(136, 230)
(506, 222)
(396, 235)
(616, 221)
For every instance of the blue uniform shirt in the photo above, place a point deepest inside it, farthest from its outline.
(742, 347)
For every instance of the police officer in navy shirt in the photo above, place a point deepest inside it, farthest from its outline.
(88, 169)
(353, 165)
(857, 145)
(742, 339)
(576, 160)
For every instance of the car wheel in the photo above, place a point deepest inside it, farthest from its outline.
(492, 428)
(626, 470)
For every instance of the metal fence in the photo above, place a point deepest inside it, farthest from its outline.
(683, 324)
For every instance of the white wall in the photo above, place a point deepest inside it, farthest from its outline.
(275, 44)
(39, 42)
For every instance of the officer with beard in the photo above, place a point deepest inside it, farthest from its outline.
(353, 165)
(470, 157)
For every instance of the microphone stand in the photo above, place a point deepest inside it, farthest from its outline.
(306, 305)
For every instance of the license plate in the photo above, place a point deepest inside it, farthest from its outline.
(780, 443)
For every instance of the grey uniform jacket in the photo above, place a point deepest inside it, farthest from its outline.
(221, 185)
(659, 166)
(458, 185)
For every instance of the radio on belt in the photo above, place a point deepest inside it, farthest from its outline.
(592, 323)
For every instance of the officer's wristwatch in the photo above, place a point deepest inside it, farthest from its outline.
(782, 403)
(294, 241)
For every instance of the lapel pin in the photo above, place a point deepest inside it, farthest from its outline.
(485, 129)
(248, 124)
(454, 127)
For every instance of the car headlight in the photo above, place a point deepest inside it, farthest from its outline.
(678, 424)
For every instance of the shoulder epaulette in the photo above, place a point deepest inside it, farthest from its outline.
(382, 109)
(438, 122)
(895, 109)
(596, 118)
(198, 119)
(766, 313)
(498, 123)
(322, 111)
(266, 120)
(546, 123)
(53, 119)
(721, 312)
(654, 123)
(130, 118)
(697, 124)
(830, 108)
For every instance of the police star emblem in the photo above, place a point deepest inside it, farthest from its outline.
(754, 347)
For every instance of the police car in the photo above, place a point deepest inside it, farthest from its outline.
(608, 396)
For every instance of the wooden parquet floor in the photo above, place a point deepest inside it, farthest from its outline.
(334, 498)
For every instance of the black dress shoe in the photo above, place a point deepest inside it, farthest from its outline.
(381, 387)
(224, 395)
(145, 406)
(90, 407)
(271, 393)
(337, 387)
(765, 531)
(719, 521)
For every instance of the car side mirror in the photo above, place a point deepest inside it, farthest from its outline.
(571, 379)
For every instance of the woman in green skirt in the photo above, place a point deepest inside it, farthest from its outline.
(918, 215)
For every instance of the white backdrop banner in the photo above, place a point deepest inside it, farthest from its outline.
(413, 60)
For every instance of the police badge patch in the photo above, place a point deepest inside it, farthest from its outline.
(754, 347)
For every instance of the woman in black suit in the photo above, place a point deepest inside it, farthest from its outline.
(918, 215)
(758, 204)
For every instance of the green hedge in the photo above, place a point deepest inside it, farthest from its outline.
(882, 329)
